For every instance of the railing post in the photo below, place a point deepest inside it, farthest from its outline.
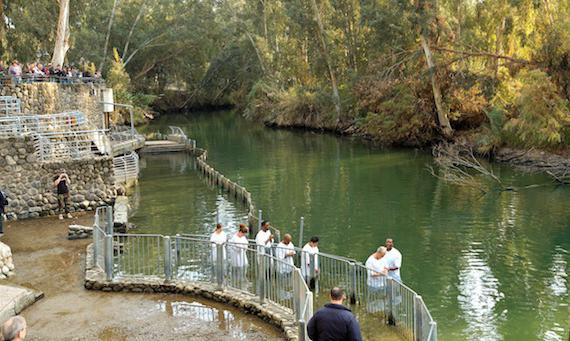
(261, 276)
(220, 248)
(110, 220)
(418, 319)
(390, 300)
(167, 258)
(352, 283)
(95, 243)
(302, 335)
(296, 296)
(433, 335)
(109, 257)
(259, 220)
(177, 248)
(301, 227)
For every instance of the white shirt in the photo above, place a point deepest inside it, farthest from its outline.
(394, 260)
(261, 240)
(308, 252)
(286, 263)
(217, 239)
(238, 255)
(376, 265)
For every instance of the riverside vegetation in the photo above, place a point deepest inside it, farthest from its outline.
(412, 73)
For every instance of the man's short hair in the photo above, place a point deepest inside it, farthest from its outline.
(12, 327)
(337, 293)
(381, 249)
(263, 223)
(315, 239)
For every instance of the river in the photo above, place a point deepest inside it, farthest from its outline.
(489, 266)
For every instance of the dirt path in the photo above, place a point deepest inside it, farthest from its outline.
(45, 260)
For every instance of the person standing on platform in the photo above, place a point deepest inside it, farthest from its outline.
(310, 253)
(238, 256)
(285, 252)
(393, 260)
(218, 237)
(264, 238)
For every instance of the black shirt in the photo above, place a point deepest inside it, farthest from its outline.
(61, 186)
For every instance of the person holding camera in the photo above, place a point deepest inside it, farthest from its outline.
(3, 203)
(61, 183)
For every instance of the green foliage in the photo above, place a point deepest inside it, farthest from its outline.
(541, 114)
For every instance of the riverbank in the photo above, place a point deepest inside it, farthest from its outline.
(528, 160)
(48, 262)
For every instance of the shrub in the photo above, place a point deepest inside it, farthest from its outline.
(541, 116)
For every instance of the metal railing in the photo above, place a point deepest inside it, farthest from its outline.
(10, 105)
(225, 266)
(30, 78)
(126, 167)
(71, 145)
(16, 126)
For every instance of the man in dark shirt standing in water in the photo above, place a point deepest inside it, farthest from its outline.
(61, 183)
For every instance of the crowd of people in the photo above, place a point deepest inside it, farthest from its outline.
(334, 321)
(19, 72)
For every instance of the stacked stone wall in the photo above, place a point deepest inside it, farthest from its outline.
(29, 183)
(6, 262)
(52, 98)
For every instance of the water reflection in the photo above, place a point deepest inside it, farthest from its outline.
(479, 294)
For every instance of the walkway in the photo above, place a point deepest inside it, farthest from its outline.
(45, 260)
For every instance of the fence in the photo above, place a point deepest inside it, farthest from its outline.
(9, 105)
(240, 267)
(126, 167)
(15, 126)
(28, 78)
(71, 145)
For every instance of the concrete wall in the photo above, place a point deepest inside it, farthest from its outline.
(51, 98)
(29, 184)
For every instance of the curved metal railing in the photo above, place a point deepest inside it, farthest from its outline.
(126, 167)
(241, 267)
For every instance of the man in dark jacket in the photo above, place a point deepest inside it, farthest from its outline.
(334, 322)
(3, 203)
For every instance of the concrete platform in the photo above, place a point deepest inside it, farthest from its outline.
(162, 146)
(14, 299)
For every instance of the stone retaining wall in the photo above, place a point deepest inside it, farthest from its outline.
(6, 262)
(51, 98)
(29, 184)
(95, 280)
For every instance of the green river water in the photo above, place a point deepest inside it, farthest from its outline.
(489, 267)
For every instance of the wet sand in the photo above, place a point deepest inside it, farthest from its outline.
(45, 260)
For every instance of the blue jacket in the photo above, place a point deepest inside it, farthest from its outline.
(334, 322)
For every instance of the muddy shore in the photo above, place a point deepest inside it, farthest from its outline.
(45, 260)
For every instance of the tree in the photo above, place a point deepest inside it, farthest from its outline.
(62, 35)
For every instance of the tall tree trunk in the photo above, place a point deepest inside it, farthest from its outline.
(321, 33)
(2, 37)
(62, 36)
(442, 117)
(111, 18)
(132, 30)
